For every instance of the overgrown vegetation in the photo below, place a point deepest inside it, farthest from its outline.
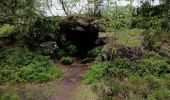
(129, 72)
(66, 60)
(122, 78)
(6, 30)
(20, 65)
(131, 58)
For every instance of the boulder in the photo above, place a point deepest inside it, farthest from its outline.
(47, 47)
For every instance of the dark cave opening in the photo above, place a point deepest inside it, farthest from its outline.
(83, 40)
(81, 32)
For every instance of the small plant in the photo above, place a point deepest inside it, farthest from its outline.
(71, 50)
(98, 71)
(6, 30)
(20, 65)
(151, 66)
(59, 53)
(9, 97)
(94, 52)
(66, 60)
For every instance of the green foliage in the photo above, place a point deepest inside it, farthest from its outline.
(117, 17)
(71, 50)
(149, 22)
(94, 52)
(129, 37)
(59, 53)
(140, 79)
(39, 28)
(9, 97)
(66, 60)
(147, 10)
(154, 39)
(160, 94)
(152, 66)
(19, 65)
(103, 69)
(6, 30)
(148, 16)
(97, 72)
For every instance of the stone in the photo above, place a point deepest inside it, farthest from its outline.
(81, 31)
(48, 47)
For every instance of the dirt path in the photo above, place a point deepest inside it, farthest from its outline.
(73, 75)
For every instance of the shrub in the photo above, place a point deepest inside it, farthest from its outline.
(154, 39)
(151, 66)
(94, 52)
(97, 72)
(20, 65)
(9, 97)
(71, 50)
(119, 68)
(149, 22)
(140, 79)
(117, 17)
(59, 53)
(148, 16)
(160, 94)
(6, 30)
(66, 60)
(40, 30)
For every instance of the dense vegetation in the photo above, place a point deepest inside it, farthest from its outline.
(19, 65)
(130, 46)
(141, 68)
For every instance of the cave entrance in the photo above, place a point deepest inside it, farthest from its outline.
(83, 40)
(80, 31)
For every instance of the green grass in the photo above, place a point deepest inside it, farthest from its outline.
(84, 92)
(129, 37)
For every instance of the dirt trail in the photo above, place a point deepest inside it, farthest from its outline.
(73, 75)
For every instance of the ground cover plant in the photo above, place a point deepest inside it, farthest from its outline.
(20, 65)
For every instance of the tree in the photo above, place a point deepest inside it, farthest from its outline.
(11, 10)
(95, 6)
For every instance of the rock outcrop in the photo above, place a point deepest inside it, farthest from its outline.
(81, 31)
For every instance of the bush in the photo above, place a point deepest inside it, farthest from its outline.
(9, 97)
(117, 17)
(66, 60)
(19, 65)
(97, 72)
(149, 16)
(160, 94)
(6, 30)
(71, 50)
(144, 78)
(59, 53)
(149, 22)
(94, 52)
(40, 30)
(154, 39)
(151, 66)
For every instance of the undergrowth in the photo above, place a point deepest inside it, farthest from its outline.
(20, 65)
(143, 79)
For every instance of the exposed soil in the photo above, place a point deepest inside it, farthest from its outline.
(73, 75)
